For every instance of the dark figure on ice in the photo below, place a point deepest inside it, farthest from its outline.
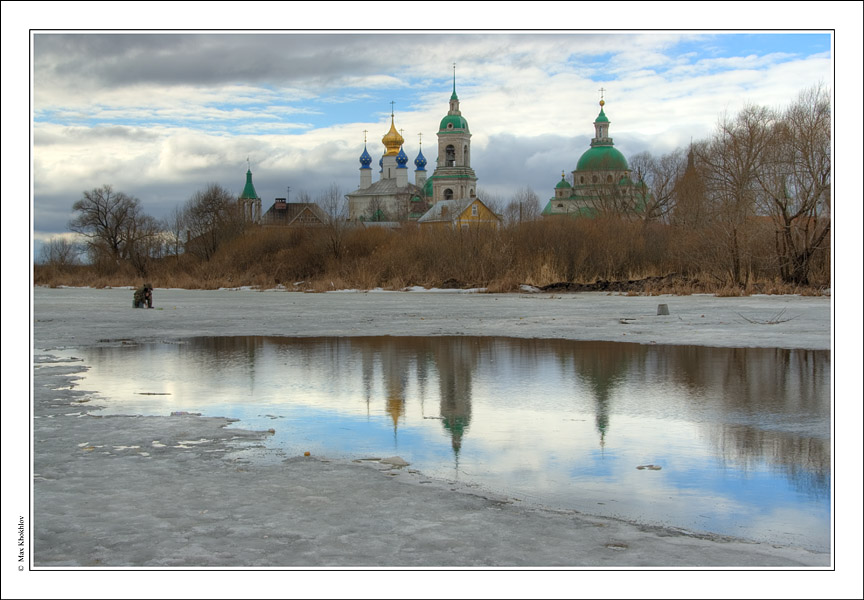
(143, 296)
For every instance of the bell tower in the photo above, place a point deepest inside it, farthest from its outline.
(454, 179)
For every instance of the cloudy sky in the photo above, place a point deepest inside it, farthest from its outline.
(160, 114)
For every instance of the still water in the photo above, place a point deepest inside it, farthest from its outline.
(741, 437)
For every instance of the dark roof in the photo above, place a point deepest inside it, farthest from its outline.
(288, 213)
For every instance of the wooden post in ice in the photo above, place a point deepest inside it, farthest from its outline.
(662, 309)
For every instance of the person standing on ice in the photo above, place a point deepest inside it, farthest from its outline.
(143, 295)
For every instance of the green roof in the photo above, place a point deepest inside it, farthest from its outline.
(602, 158)
(249, 192)
(458, 122)
(601, 118)
(562, 184)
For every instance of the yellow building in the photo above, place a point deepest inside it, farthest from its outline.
(460, 214)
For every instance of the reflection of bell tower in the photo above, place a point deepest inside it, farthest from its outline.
(456, 360)
(602, 367)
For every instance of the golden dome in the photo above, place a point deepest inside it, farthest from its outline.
(392, 141)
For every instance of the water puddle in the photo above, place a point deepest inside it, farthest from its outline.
(731, 441)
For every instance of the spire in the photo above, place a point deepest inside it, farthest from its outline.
(249, 192)
(454, 96)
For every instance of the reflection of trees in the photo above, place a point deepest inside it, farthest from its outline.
(785, 389)
(806, 461)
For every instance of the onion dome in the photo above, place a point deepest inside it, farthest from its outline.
(602, 158)
(563, 183)
(420, 161)
(453, 122)
(365, 159)
(392, 140)
(401, 159)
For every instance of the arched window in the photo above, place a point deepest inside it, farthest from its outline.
(450, 156)
(608, 179)
(465, 154)
(593, 179)
(581, 180)
(448, 194)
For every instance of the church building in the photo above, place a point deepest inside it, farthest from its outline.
(392, 197)
(601, 182)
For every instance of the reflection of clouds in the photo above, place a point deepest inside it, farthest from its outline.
(558, 420)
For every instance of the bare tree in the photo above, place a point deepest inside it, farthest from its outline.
(176, 231)
(660, 176)
(335, 208)
(795, 180)
(375, 210)
(524, 206)
(212, 218)
(60, 252)
(732, 159)
(105, 217)
(145, 242)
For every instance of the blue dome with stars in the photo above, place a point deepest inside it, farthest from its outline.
(420, 161)
(401, 159)
(365, 159)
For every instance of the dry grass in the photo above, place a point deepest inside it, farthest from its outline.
(536, 253)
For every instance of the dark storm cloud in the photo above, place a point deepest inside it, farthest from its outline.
(184, 59)
(118, 59)
(508, 163)
(77, 135)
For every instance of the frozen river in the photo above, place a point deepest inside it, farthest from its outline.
(174, 491)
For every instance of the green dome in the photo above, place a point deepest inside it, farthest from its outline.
(601, 118)
(563, 184)
(458, 122)
(602, 158)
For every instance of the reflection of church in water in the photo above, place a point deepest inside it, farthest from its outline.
(452, 360)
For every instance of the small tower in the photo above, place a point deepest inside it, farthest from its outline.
(365, 168)
(401, 169)
(563, 190)
(420, 166)
(249, 202)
